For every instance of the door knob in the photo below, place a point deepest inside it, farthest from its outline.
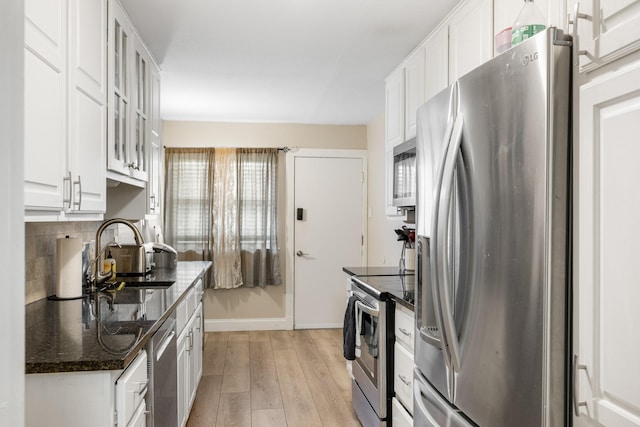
(300, 253)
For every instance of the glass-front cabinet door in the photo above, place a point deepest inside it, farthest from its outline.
(128, 112)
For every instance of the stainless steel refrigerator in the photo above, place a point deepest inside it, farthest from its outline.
(493, 224)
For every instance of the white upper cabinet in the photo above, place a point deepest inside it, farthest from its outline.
(156, 155)
(87, 105)
(414, 90)
(608, 30)
(437, 57)
(65, 101)
(395, 108)
(129, 124)
(45, 98)
(119, 72)
(470, 37)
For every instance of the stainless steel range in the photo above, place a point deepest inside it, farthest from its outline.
(372, 389)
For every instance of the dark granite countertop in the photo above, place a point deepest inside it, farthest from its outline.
(386, 282)
(87, 335)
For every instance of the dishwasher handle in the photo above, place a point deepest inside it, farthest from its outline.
(165, 343)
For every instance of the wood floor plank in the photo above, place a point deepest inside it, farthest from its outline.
(236, 380)
(281, 340)
(205, 407)
(327, 396)
(259, 336)
(336, 363)
(214, 353)
(237, 355)
(265, 388)
(296, 396)
(234, 410)
(236, 375)
(268, 418)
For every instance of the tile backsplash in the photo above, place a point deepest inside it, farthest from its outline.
(40, 253)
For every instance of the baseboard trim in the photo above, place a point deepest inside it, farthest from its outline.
(318, 326)
(235, 325)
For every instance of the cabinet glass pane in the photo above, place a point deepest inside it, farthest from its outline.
(124, 113)
(116, 55)
(125, 65)
(117, 130)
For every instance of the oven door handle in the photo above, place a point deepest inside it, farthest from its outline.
(369, 310)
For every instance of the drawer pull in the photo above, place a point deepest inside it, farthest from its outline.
(404, 380)
(405, 332)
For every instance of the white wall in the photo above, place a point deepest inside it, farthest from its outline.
(226, 308)
(11, 214)
(383, 247)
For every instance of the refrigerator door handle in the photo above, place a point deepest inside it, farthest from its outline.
(435, 224)
(444, 270)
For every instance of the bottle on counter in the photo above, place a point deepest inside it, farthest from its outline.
(529, 22)
(109, 264)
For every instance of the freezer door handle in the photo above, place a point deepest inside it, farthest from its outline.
(422, 410)
(444, 270)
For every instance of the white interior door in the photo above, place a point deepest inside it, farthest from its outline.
(329, 191)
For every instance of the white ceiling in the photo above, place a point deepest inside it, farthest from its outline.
(280, 61)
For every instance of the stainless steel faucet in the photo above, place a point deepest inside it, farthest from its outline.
(98, 278)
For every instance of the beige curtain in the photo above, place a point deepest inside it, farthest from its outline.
(225, 228)
(221, 206)
(258, 181)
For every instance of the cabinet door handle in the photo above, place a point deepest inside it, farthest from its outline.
(78, 204)
(577, 403)
(404, 380)
(405, 332)
(67, 199)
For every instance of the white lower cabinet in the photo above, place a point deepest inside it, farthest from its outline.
(131, 390)
(402, 408)
(605, 283)
(399, 415)
(92, 398)
(189, 363)
(403, 376)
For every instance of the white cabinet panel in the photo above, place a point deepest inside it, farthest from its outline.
(470, 37)
(131, 389)
(395, 109)
(399, 415)
(437, 57)
(87, 105)
(404, 328)
(403, 375)
(45, 104)
(606, 276)
(414, 90)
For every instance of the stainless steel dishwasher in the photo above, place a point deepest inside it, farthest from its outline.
(162, 376)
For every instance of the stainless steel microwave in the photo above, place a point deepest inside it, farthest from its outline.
(404, 174)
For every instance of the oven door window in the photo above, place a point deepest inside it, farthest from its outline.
(368, 358)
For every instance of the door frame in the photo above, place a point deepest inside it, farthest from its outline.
(290, 215)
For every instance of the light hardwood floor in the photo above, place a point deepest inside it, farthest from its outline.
(274, 379)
